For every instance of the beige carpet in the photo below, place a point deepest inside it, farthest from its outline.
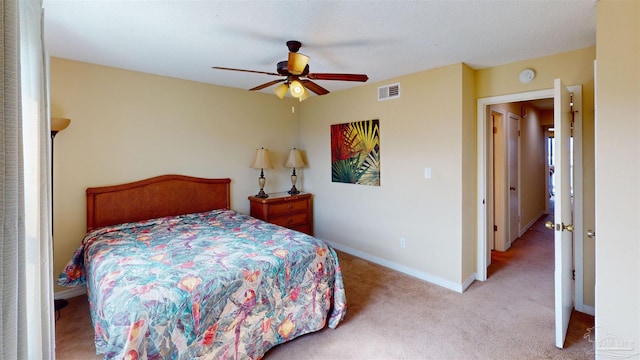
(395, 316)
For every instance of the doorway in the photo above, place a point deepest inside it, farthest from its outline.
(567, 111)
(485, 182)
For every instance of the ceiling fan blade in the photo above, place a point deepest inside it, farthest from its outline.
(265, 85)
(342, 77)
(243, 70)
(314, 87)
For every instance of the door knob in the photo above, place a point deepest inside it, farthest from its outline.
(558, 227)
(512, 188)
(591, 233)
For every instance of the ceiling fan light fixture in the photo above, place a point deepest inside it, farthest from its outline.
(295, 75)
(281, 90)
(304, 95)
(297, 63)
(296, 88)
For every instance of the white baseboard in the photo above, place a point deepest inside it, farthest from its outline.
(68, 294)
(468, 282)
(406, 270)
(533, 221)
(590, 310)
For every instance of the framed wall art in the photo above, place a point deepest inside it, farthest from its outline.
(355, 152)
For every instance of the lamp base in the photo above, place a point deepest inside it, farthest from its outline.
(294, 190)
(262, 194)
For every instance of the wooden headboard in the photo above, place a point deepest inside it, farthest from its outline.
(159, 196)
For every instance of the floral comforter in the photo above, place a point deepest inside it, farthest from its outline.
(213, 285)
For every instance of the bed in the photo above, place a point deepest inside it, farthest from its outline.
(173, 273)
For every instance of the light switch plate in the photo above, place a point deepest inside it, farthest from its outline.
(427, 173)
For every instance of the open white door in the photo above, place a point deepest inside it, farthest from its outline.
(563, 216)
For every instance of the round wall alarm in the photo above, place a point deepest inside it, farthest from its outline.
(527, 75)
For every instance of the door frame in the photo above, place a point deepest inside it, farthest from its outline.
(485, 181)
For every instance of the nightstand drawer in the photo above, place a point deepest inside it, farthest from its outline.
(291, 211)
(306, 228)
(291, 220)
(288, 207)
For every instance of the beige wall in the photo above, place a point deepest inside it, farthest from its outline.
(533, 176)
(428, 126)
(617, 135)
(423, 128)
(127, 126)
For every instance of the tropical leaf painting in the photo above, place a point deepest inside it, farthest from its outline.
(355, 152)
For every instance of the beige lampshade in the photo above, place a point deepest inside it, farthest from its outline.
(59, 124)
(262, 160)
(295, 159)
(296, 88)
(281, 90)
(304, 96)
(296, 63)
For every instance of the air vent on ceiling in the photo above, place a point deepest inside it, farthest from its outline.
(389, 92)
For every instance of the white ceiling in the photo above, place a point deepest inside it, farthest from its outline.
(383, 39)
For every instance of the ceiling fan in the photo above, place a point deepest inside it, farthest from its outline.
(297, 78)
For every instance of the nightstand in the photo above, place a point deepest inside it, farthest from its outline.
(290, 211)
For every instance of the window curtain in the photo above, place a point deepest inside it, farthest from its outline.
(26, 249)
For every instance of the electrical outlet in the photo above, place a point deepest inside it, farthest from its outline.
(403, 243)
